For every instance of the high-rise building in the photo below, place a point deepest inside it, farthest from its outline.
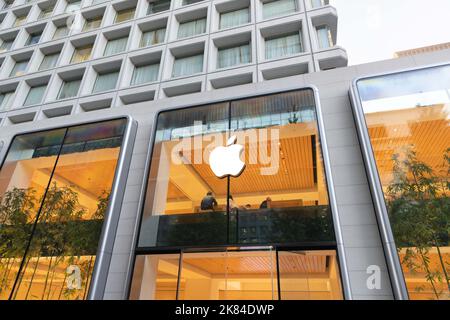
(416, 51)
(216, 150)
(113, 53)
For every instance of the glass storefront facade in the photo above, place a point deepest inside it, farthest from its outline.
(407, 116)
(242, 236)
(54, 192)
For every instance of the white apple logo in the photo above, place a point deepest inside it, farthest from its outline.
(225, 161)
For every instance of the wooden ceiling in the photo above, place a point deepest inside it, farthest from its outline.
(263, 263)
(295, 171)
(426, 129)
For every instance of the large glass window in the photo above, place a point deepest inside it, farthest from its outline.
(408, 122)
(237, 275)
(280, 197)
(54, 191)
(247, 176)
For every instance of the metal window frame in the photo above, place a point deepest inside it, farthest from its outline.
(110, 223)
(341, 256)
(392, 259)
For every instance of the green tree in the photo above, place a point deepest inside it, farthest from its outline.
(418, 207)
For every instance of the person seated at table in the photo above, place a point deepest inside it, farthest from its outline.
(208, 202)
(266, 204)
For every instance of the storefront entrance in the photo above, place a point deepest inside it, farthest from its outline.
(263, 273)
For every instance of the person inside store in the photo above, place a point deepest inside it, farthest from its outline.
(266, 204)
(208, 202)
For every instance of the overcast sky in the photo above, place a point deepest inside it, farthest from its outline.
(372, 30)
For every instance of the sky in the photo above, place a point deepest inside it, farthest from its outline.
(373, 30)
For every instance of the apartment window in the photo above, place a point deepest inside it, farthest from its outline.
(81, 54)
(69, 89)
(19, 68)
(319, 3)
(283, 46)
(324, 37)
(115, 46)
(278, 8)
(152, 37)
(406, 118)
(58, 181)
(233, 56)
(73, 6)
(6, 45)
(158, 6)
(187, 66)
(98, 1)
(92, 23)
(145, 73)
(6, 99)
(20, 20)
(124, 15)
(49, 61)
(33, 38)
(35, 95)
(61, 32)
(106, 81)
(187, 2)
(7, 4)
(192, 28)
(234, 18)
(45, 13)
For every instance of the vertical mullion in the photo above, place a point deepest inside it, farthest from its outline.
(36, 220)
(278, 273)
(180, 266)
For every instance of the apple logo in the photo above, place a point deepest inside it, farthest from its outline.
(225, 161)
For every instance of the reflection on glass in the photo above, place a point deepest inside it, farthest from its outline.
(23, 180)
(228, 276)
(237, 275)
(281, 196)
(177, 185)
(62, 188)
(155, 277)
(408, 120)
(309, 275)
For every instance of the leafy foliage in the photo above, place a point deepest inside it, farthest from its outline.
(419, 211)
